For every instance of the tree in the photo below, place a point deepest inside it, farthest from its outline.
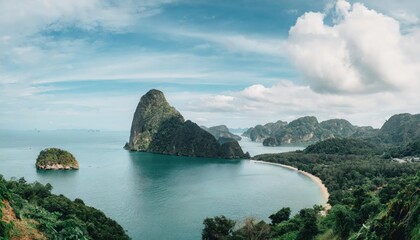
(217, 228)
(309, 226)
(361, 195)
(253, 230)
(79, 201)
(368, 210)
(343, 221)
(280, 216)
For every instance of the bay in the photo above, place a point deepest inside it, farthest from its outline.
(156, 196)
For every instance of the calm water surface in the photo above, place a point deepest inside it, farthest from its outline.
(155, 196)
(258, 148)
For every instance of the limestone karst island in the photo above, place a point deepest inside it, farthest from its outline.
(56, 159)
(159, 128)
(209, 119)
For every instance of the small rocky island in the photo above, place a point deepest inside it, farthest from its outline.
(159, 128)
(56, 159)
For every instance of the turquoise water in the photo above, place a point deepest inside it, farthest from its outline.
(255, 148)
(155, 196)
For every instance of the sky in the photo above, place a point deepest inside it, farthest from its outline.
(84, 64)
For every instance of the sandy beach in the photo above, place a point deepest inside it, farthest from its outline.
(317, 180)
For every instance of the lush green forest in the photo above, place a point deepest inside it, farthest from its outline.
(405, 150)
(30, 211)
(372, 196)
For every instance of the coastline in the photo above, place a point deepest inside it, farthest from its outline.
(317, 180)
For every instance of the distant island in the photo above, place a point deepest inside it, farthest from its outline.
(56, 159)
(221, 131)
(158, 127)
(307, 130)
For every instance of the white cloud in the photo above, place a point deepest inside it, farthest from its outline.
(342, 7)
(148, 67)
(28, 54)
(258, 104)
(33, 16)
(363, 52)
(411, 7)
(291, 11)
(237, 43)
(405, 17)
(362, 67)
(242, 43)
(212, 103)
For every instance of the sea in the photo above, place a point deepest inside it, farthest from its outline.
(157, 196)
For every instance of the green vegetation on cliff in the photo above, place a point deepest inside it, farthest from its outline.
(152, 111)
(343, 146)
(55, 158)
(271, 142)
(400, 128)
(405, 150)
(221, 131)
(258, 133)
(32, 209)
(159, 128)
(305, 130)
(185, 139)
(372, 196)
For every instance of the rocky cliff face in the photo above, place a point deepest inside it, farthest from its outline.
(271, 142)
(259, 133)
(159, 128)
(221, 131)
(305, 130)
(400, 128)
(152, 111)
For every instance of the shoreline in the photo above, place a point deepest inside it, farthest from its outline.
(324, 191)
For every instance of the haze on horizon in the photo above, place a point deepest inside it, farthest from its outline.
(73, 64)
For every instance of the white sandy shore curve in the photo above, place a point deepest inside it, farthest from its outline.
(317, 180)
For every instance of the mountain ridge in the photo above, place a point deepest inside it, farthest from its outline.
(399, 128)
(304, 130)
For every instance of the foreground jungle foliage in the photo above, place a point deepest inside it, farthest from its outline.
(372, 195)
(30, 211)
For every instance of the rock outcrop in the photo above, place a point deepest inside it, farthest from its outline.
(271, 142)
(221, 131)
(400, 128)
(56, 159)
(305, 130)
(152, 112)
(159, 128)
(257, 133)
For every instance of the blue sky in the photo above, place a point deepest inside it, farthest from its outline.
(86, 63)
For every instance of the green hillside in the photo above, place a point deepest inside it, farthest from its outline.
(372, 197)
(30, 211)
